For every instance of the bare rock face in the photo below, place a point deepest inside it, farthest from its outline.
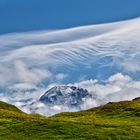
(65, 95)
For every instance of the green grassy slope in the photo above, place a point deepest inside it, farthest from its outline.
(114, 121)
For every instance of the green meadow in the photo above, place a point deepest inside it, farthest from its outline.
(113, 121)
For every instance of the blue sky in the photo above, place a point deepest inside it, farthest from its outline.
(27, 15)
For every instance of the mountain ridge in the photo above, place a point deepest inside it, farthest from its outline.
(65, 95)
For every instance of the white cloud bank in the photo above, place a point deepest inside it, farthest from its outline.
(30, 61)
(117, 87)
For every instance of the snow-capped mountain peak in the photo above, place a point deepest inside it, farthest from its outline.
(65, 95)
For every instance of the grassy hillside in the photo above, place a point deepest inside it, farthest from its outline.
(113, 121)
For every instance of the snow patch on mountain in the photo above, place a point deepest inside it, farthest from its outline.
(70, 96)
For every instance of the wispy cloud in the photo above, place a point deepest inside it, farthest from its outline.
(31, 61)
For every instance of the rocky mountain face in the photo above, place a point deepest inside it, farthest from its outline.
(70, 96)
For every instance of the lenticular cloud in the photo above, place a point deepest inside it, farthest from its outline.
(34, 61)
